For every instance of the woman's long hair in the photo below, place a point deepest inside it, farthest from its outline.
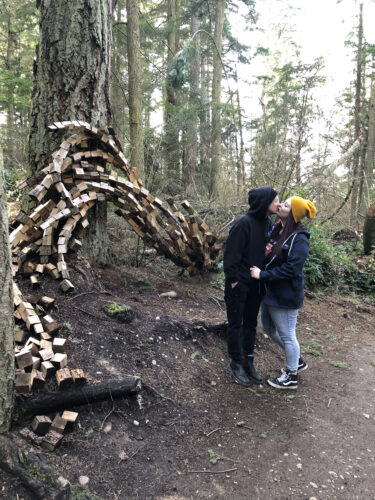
(290, 226)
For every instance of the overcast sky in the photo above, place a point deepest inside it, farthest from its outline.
(320, 28)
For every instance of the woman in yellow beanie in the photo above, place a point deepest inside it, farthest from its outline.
(286, 254)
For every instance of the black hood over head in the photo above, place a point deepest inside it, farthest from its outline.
(259, 201)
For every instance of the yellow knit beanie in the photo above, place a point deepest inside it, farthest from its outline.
(302, 208)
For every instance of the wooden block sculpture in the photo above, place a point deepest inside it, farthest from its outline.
(88, 168)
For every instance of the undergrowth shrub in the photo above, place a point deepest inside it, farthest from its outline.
(332, 265)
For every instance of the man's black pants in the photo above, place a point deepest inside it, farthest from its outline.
(243, 302)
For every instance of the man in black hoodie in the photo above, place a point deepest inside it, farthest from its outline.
(245, 248)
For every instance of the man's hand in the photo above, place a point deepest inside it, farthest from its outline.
(255, 272)
(234, 284)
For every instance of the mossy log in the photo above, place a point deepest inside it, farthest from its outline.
(369, 230)
(30, 470)
(50, 401)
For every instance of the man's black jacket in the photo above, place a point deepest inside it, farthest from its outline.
(246, 242)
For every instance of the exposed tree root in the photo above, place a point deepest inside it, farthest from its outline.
(35, 475)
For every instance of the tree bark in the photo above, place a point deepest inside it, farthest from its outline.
(171, 130)
(135, 86)
(369, 230)
(6, 316)
(49, 401)
(216, 99)
(71, 82)
(370, 154)
(190, 166)
(357, 124)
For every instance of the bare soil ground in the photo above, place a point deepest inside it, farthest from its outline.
(317, 442)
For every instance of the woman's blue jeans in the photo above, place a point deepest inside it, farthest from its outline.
(280, 325)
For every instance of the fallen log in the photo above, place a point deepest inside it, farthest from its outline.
(30, 470)
(89, 393)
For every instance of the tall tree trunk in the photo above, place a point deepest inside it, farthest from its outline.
(240, 161)
(135, 86)
(190, 166)
(6, 316)
(72, 83)
(119, 104)
(204, 127)
(216, 99)
(357, 124)
(10, 142)
(171, 130)
(370, 154)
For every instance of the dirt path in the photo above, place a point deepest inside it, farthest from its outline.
(317, 442)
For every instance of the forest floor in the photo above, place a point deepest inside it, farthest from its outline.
(316, 442)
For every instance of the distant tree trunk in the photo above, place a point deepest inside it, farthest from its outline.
(369, 165)
(204, 127)
(369, 230)
(171, 129)
(135, 87)
(11, 44)
(240, 161)
(119, 104)
(191, 163)
(357, 123)
(216, 99)
(6, 316)
(72, 83)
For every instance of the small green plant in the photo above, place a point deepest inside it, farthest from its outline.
(312, 347)
(78, 492)
(329, 336)
(339, 364)
(372, 363)
(263, 435)
(351, 328)
(219, 282)
(144, 285)
(114, 308)
(68, 326)
(194, 355)
(214, 457)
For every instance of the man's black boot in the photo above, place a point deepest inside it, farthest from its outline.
(238, 373)
(251, 371)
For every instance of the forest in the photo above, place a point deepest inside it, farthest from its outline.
(130, 134)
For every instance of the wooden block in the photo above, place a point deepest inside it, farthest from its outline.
(41, 424)
(78, 376)
(45, 344)
(46, 354)
(34, 280)
(36, 363)
(24, 382)
(59, 345)
(59, 360)
(50, 325)
(51, 440)
(19, 336)
(64, 378)
(27, 434)
(58, 424)
(70, 416)
(47, 301)
(39, 380)
(39, 268)
(28, 267)
(45, 336)
(24, 360)
(38, 328)
(66, 285)
(34, 345)
(47, 369)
